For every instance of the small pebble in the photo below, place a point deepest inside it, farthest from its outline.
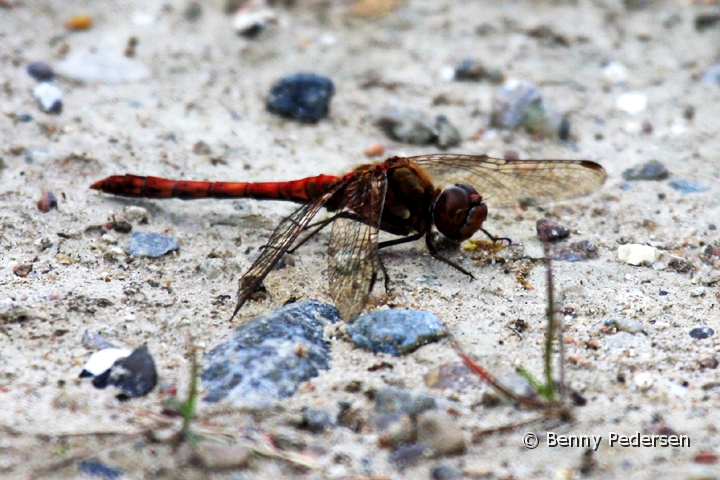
(402, 400)
(445, 472)
(119, 224)
(407, 455)
(564, 129)
(632, 102)
(628, 325)
(193, 11)
(550, 230)
(510, 105)
(25, 118)
(393, 429)
(454, 376)
(615, 72)
(575, 252)
(201, 148)
(375, 150)
(261, 360)
(95, 340)
(94, 468)
(135, 214)
(79, 22)
(152, 245)
(22, 270)
(701, 333)
(49, 97)
(303, 96)
(316, 420)
(395, 331)
(40, 71)
(447, 134)
(652, 170)
(439, 431)
(406, 124)
(635, 254)
(474, 71)
(47, 202)
(687, 186)
(134, 375)
(250, 24)
(711, 75)
(102, 67)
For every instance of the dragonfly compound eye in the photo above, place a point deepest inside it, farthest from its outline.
(459, 212)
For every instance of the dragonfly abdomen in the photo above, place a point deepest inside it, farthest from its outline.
(300, 191)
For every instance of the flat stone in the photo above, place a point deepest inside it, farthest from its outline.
(153, 245)
(652, 170)
(395, 331)
(269, 356)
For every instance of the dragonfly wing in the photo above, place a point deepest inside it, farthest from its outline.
(513, 182)
(282, 238)
(353, 251)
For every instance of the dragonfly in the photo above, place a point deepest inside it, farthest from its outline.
(400, 196)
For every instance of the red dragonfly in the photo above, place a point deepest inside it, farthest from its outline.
(398, 196)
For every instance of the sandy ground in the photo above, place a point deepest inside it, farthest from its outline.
(209, 84)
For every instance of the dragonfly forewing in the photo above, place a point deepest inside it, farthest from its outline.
(281, 240)
(353, 251)
(513, 182)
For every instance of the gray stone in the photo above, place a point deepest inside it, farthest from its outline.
(270, 355)
(396, 331)
(402, 400)
(153, 245)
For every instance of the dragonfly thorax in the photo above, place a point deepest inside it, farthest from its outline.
(459, 212)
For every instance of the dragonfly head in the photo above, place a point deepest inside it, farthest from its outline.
(459, 212)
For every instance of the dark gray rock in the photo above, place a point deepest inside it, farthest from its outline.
(40, 71)
(396, 331)
(303, 96)
(402, 400)
(701, 333)
(269, 356)
(134, 375)
(652, 170)
(153, 245)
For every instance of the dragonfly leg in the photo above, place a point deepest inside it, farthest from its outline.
(496, 239)
(433, 251)
(399, 241)
(390, 243)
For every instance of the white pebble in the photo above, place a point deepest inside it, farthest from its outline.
(697, 292)
(101, 361)
(635, 254)
(632, 102)
(615, 72)
(49, 96)
(246, 22)
(628, 325)
(447, 73)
